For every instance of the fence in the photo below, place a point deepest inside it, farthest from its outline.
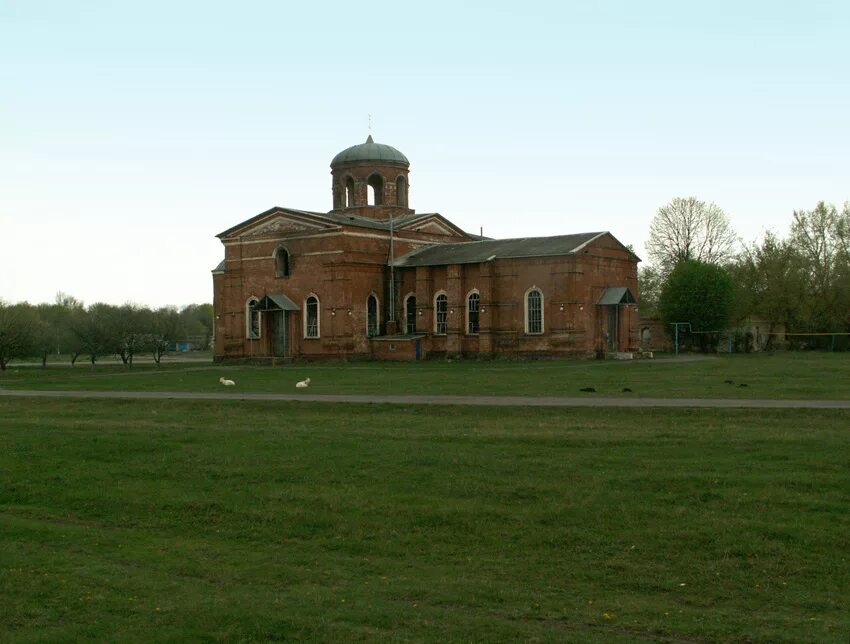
(746, 341)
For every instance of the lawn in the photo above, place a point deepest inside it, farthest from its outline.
(228, 520)
(782, 375)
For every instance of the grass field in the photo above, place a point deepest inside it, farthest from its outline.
(167, 520)
(783, 375)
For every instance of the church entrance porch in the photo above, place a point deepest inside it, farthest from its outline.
(615, 330)
(277, 309)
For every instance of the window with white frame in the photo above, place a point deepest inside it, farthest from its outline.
(311, 317)
(441, 310)
(473, 305)
(534, 311)
(372, 316)
(252, 319)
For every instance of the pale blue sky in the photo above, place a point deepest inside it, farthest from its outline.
(131, 133)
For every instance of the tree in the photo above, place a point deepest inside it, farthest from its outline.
(130, 331)
(165, 330)
(197, 321)
(67, 313)
(700, 294)
(822, 238)
(17, 332)
(95, 330)
(770, 285)
(649, 287)
(689, 229)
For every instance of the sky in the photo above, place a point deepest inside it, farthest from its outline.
(132, 133)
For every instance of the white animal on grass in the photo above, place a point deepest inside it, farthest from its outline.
(303, 384)
(226, 382)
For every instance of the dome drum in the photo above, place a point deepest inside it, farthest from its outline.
(371, 178)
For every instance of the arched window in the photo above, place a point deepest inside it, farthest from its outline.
(281, 262)
(311, 317)
(473, 301)
(410, 313)
(401, 191)
(376, 190)
(252, 319)
(372, 316)
(349, 192)
(534, 311)
(441, 309)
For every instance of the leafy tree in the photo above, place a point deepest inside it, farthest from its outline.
(822, 238)
(17, 332)
(165, 331)
(94, 328)
(68, 310)
(770, 285)
(197, 321)
(45, 341)
(130, 330)
(700, 294)
(649, 287)
(689, 229)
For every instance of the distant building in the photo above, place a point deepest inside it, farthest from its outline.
(372, 278)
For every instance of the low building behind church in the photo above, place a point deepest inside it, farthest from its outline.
(371, 278)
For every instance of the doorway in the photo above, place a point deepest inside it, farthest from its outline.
(280, 334)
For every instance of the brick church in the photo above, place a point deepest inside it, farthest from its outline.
(372, 278)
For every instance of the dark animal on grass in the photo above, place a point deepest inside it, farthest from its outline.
(588, 389)
(729, 382)
(626, 390)
(743, 384)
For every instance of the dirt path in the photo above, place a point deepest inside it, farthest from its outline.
(485, 401)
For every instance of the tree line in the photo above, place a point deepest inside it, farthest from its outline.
(70, 329)
(699, 273)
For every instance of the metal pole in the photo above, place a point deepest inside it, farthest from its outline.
(676, 326)
(392, 271)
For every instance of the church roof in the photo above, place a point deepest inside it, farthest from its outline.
(484, 251)
(370, 151)
(343, 219)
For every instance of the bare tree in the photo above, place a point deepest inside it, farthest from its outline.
(689, 229)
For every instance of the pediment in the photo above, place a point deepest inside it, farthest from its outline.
(281, 226)
(434, 225)
(277, 224)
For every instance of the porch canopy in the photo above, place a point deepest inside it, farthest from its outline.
(616, 295)
(276, 302)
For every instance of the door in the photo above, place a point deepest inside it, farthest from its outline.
(612, 333)
(280, 334)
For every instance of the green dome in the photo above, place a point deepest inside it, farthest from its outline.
(370, 151)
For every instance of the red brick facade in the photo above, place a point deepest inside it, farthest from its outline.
(327, 267)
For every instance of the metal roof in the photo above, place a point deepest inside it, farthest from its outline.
(487, 250)
(276, 302)
(370, 151)
(617, 295)
(219, 268)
